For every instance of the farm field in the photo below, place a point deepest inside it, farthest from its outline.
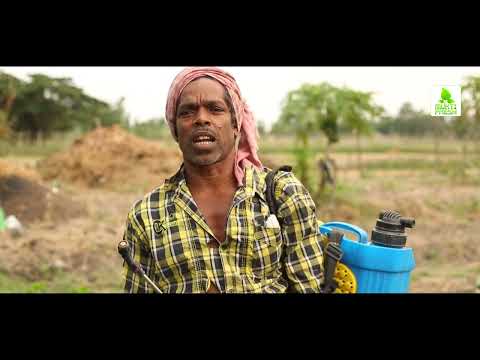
(83, 187)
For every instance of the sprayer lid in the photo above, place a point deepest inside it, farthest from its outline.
(390, 229)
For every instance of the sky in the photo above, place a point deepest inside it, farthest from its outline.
(145, 88)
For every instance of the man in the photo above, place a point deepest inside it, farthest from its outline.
(208, 228)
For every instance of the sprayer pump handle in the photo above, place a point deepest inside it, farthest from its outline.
(123, 250)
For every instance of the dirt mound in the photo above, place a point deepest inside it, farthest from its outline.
(108, 157)
(7, 168)
(30, 201)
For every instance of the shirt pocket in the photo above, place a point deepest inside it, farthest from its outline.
(172, 253)
(266, 248)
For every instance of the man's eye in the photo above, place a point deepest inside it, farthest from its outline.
(185, 112)
(217, 109)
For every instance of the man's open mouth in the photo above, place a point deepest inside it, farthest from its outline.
(203, 139)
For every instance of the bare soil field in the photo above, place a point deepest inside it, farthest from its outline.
(78, 200)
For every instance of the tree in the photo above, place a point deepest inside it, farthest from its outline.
(8, 93)
(467, 126)
(323, 107)
(109, 115)
(307, 110)
(45, 105)
(356, 111)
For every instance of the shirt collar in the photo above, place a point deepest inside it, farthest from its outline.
(254, 181)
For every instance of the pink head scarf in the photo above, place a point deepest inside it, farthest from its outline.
(247, 148)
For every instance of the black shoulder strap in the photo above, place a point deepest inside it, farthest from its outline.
(270, 195)
(270, 191)
(332, 255)
(333, 252)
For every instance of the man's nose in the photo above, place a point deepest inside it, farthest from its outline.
(202, 117)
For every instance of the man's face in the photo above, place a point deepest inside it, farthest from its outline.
(205, 132)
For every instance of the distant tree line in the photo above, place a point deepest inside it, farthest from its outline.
(411, 122)
(45, 105)
(332, 111)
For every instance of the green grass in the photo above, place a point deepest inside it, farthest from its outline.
(43, 148)
(371, 148)
(376, 144)
(151, 132)
(401, 164)
(419, 164)
(61, 283)
(420, 273)
(349, 195)
(60, 142)
(463, 209)
(268, 144)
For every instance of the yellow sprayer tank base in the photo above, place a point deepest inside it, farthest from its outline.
(345, 278)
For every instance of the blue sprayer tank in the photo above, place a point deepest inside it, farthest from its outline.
(384, 264)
